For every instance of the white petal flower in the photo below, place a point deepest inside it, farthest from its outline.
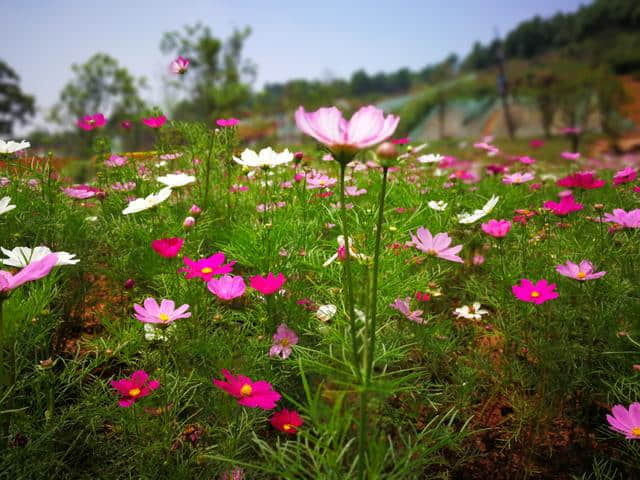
(150, 201)
(430, 158)
(12, 147)
(267, 158)
(439, 205)
(174, 180)
(474, 312)
(22, 256)
(4, 205)
(326, 312)
(468, 218)
(353, 253)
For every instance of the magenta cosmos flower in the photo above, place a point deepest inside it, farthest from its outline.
(538, 293)
(34, 271)
(584, 180)
(581, 272)
(287, 421)
(134, 388)
(206, 268)
(154, 122)
(403, 307)
(267, 285)
(249, 393)
(630, 219)
(283, 340)
(179, 66)
(437, 246)
(565, 206)
(83, 191)
(227, 287)
(227, 122)
(367, 127)
(90, 122)
(496, 228)
(517, 178)
(625, 175)
(626, 421)
(168, 247)
(165, 313)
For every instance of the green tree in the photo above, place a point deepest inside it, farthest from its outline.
(15, 105)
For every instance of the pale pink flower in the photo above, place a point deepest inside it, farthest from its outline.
(437, 246)
(403, 307)
(581, 272)
(283, 340)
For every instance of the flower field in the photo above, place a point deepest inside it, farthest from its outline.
(356, 306)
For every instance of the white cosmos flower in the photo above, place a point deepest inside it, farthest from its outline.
(430, 158)
(176, 179)
(326, 312)
(12, 147)
(150, 201)
(22, 256)
(439, 205)
(474, 312)
(4, 205)
(265, 159)
(478, 214)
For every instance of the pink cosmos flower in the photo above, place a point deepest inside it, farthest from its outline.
(526, 160)
(134, 388)
(584, 180)
(477, 259)
(287, 421)
(494, 169)
(83, 191)
(249, 393)
(353, 191)
(115, 161)
(267, 285)
(626, 421)
(33, 271)
(227, 122)
(536, 143)
(625, 175)
(403, 307)
(320, 180)
(168, 247)
(437, 246)
(570, 155)
(630, 219)
(123, 187)
(206, 268)
(581, 272)
(154, 122)
(179, 66)
(283, 340)
(496, 228)
(91, 122)
(538, 293)
(367, 127)
(517, 178)
(564, 207)
(227, 287)
(165, 313)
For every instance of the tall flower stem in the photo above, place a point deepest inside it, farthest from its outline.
(208, 172)
(4, 422)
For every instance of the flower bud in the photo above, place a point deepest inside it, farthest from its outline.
(189, 222)
(195, 210)
(387, 150)
(129, 284)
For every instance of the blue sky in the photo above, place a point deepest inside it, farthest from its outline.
(290, 39)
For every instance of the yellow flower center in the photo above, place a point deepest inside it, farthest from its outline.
(535, 294)
(581, 275)
(246, 390)
(431, 251)
(322, 183)
(287, 426)
(635, 431)
(134, 392)
(284, 342)
(206, 270)
(164, 317)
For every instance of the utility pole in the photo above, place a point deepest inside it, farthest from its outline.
(503, 89)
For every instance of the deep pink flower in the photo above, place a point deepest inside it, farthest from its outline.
(630, 219)
(526, 160)
(564, 207)
(625, 175)
(403, 307)
(165, 313)
(227, 287)
(134, 388)
(367, 127)
(179, 66)
(494, 169)
(283, 340)
(400, 141)
(626, 421)
(249, 393)
(83, 191)
(536, 143)
(496, 228)
(33, 271)
(90, 122)
(437, 246)
(126, 124)
(168, 247)
(581, 272)
(227, 122)
(206, 268)
(287, 421)
(154, 122)
(584, 180)
(517, 178)
(115, 161)
(267, 285)
(538, 293)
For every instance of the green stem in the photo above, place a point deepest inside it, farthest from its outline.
(4, 422)
(207, 173)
